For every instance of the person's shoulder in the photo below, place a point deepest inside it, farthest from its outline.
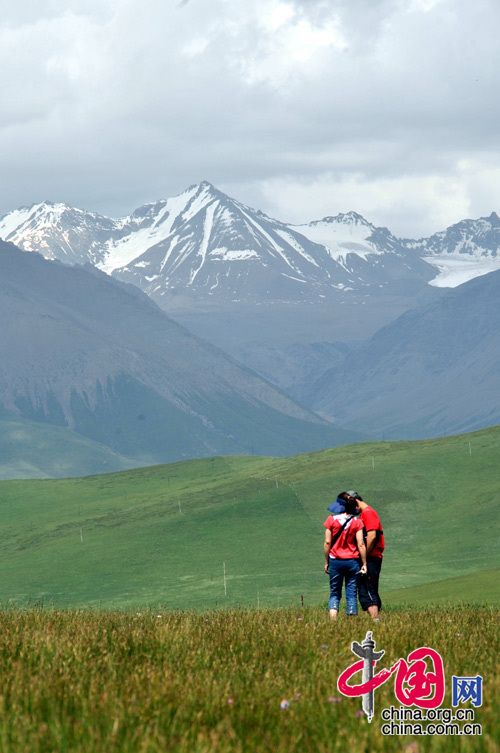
(335, 520)
(370, 516)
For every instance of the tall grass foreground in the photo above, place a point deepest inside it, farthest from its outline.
(242, 680)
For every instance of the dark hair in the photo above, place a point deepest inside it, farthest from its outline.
(351, 506)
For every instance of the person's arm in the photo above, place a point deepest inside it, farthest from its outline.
(371, 537)
(326, 547)
(361, 549)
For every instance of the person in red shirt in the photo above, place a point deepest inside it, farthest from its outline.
(345, 551)
(368, 588)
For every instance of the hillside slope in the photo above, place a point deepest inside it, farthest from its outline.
(435, 370)
(84, 351)
(164, 535)
(29, 449)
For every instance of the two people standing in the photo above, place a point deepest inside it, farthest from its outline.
(353, 548)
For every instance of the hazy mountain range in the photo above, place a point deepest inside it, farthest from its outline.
(335, 318)
(83, 351)
(204, 244)
(433, 371)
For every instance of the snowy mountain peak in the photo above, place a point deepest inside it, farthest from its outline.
(467, 249)
(215, 245)
(205, 185)
(204, 242)
(347, 234)
(58, 231)
(150, 209)
(344, 218)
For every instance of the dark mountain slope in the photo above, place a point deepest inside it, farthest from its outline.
(81, 350)
(435, 370)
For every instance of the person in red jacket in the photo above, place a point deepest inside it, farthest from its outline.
(345, 557)
(368, 592)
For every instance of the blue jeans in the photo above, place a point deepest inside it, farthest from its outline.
(340, 570)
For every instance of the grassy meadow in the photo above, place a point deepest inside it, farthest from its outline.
(214, 682)
(162, 536)
(119, 633)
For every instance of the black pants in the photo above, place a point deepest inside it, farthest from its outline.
(368, 584)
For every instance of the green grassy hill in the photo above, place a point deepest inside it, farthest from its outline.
(29, 449)
(163, 535)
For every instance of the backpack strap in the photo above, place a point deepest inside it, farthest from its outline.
(339, 532)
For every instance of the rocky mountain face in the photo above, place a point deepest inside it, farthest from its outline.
(435, 370)
(285, 300)
(222, 250)
(58, 231)
(479, 238)
(468, 249)
(83, 351)
(204, 245)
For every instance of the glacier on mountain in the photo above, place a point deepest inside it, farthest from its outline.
(204, 243)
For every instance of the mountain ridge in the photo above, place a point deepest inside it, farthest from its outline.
(84, 351)
(206, 244)
(433, 371)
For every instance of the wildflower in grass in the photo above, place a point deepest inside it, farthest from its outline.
(284, 704)
(230, 701)
(334, 699)
(324, 647)
(360, 713)
(411, 748)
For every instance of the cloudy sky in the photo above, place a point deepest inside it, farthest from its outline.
(300, 107)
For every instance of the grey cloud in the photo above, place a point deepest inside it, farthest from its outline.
(112, 103)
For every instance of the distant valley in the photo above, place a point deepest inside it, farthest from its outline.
(239, 278)
(291, 337)
(88, 353)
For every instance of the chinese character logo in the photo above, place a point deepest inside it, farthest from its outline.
(465, 689)
(419, 679)
(369, 658)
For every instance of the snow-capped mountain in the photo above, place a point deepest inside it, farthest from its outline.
(213, 245)
(342, 235)
(219, 247)
(468, 249)
(145, 227)
(372, 255)
(203, 243)
(82, 351)
(57, 231)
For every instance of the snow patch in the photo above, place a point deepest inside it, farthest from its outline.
(288, 237)
(454, 270)
(121, 252)
(12, 221)
(224, 254)
(340, 238)
(207, 232)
